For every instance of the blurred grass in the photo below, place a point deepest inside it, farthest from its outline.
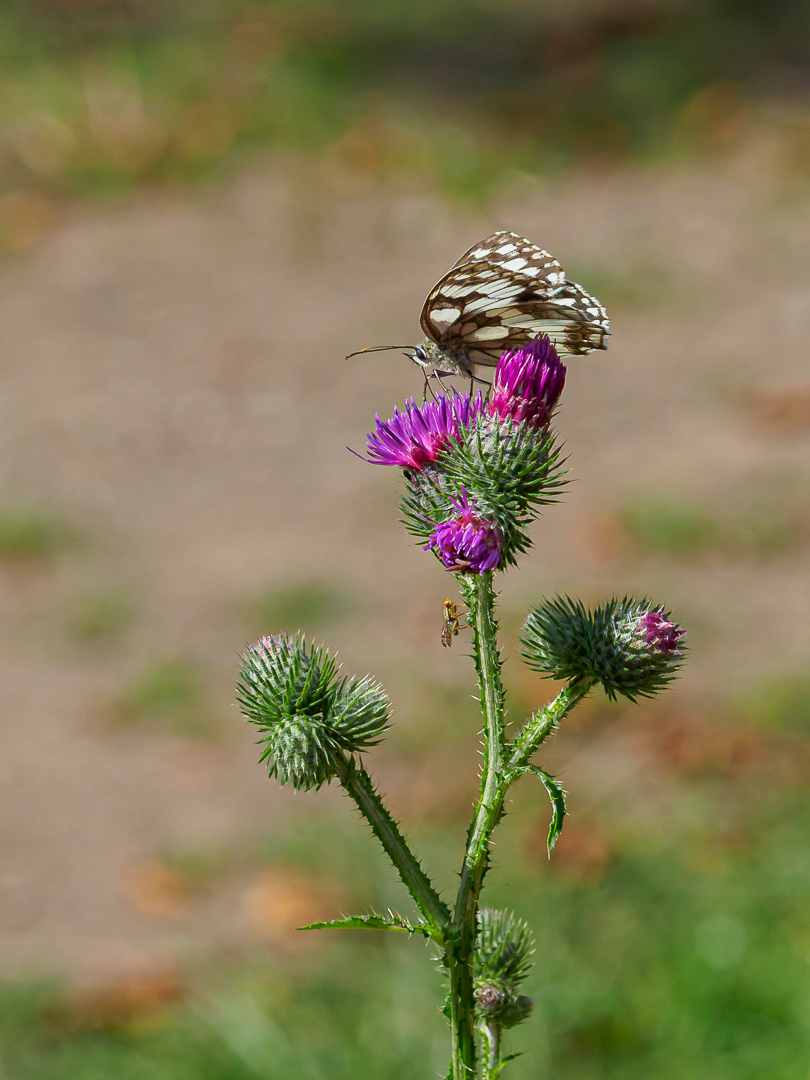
(168, 697)
(103, 95)
(778, 704)
(684, 956)
(30, 534)
(676, 528)
(304, 605)
(103, 616)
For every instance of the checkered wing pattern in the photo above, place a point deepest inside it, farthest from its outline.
(505, 291)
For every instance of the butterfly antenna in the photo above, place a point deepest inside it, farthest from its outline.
(378, 348)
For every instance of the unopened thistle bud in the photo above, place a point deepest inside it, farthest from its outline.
(528, 383)
(468, 542)
(629, 646)
(306, 712)
(503, 951)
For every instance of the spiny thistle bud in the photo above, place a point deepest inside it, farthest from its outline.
(528, 383)
(503, 951)
(416, 437)
(658, 632)
(307, 713)
(627, 645)
(467, 543)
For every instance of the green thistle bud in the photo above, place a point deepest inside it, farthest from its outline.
(503, 951)
(308, 714)
(627, 645)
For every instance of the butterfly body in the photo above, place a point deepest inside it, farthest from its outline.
(501, 293)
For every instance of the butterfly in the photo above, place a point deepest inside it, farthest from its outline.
(501, 293)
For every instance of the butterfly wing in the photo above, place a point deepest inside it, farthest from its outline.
(504, 291)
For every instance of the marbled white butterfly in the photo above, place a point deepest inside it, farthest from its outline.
(501, 293)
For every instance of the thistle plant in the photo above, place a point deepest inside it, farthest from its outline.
(476, 471)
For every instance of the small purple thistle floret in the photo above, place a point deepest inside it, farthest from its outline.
(660, 634)
(467, 543)
(415, 438)
(528, 383)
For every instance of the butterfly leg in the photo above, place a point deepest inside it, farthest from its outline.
(427, 387)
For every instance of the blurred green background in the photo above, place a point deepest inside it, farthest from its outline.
(203, 206)
(103, 95)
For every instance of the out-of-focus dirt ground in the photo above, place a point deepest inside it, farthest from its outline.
(173, 389)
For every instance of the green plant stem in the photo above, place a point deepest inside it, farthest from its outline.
(481, 603)
(504, 762)
(492, 1033)
(544, 723)
(359, 785)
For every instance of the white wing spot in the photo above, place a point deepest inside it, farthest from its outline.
(514, 264)
(507, 249)
(445, 315)
(456, 291)
(489, 333)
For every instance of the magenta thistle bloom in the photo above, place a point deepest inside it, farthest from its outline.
(659, 633)
(415, 438)
(528, 383)
(467, 543)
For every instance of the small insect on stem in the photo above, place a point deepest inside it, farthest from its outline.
(450, 623)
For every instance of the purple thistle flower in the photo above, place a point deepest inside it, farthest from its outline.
(528, 383)
(415, 438)
(467, 543)
(659, 633)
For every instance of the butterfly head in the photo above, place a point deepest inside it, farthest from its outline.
(427, 355)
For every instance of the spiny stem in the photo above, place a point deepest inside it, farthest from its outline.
(480, 601)
(358, 784)
(544, 722)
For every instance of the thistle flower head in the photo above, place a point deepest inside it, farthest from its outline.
(629, 646)
(467, 543)
(528, 383)
(307, 713)
(658, 632)
(503, 951)
(416, 437)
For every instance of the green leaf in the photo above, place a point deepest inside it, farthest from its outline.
(557, 796)
(391, 922)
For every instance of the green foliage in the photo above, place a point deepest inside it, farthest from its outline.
(167, 696)
(28, 534)
(685, 957)
(307, 712)
(557, 795)
(670, 527)
(391, 922)
(677, 528)
(105, 96)
(103, 616)
(562, 639)
(781, 704)
(305, 605)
